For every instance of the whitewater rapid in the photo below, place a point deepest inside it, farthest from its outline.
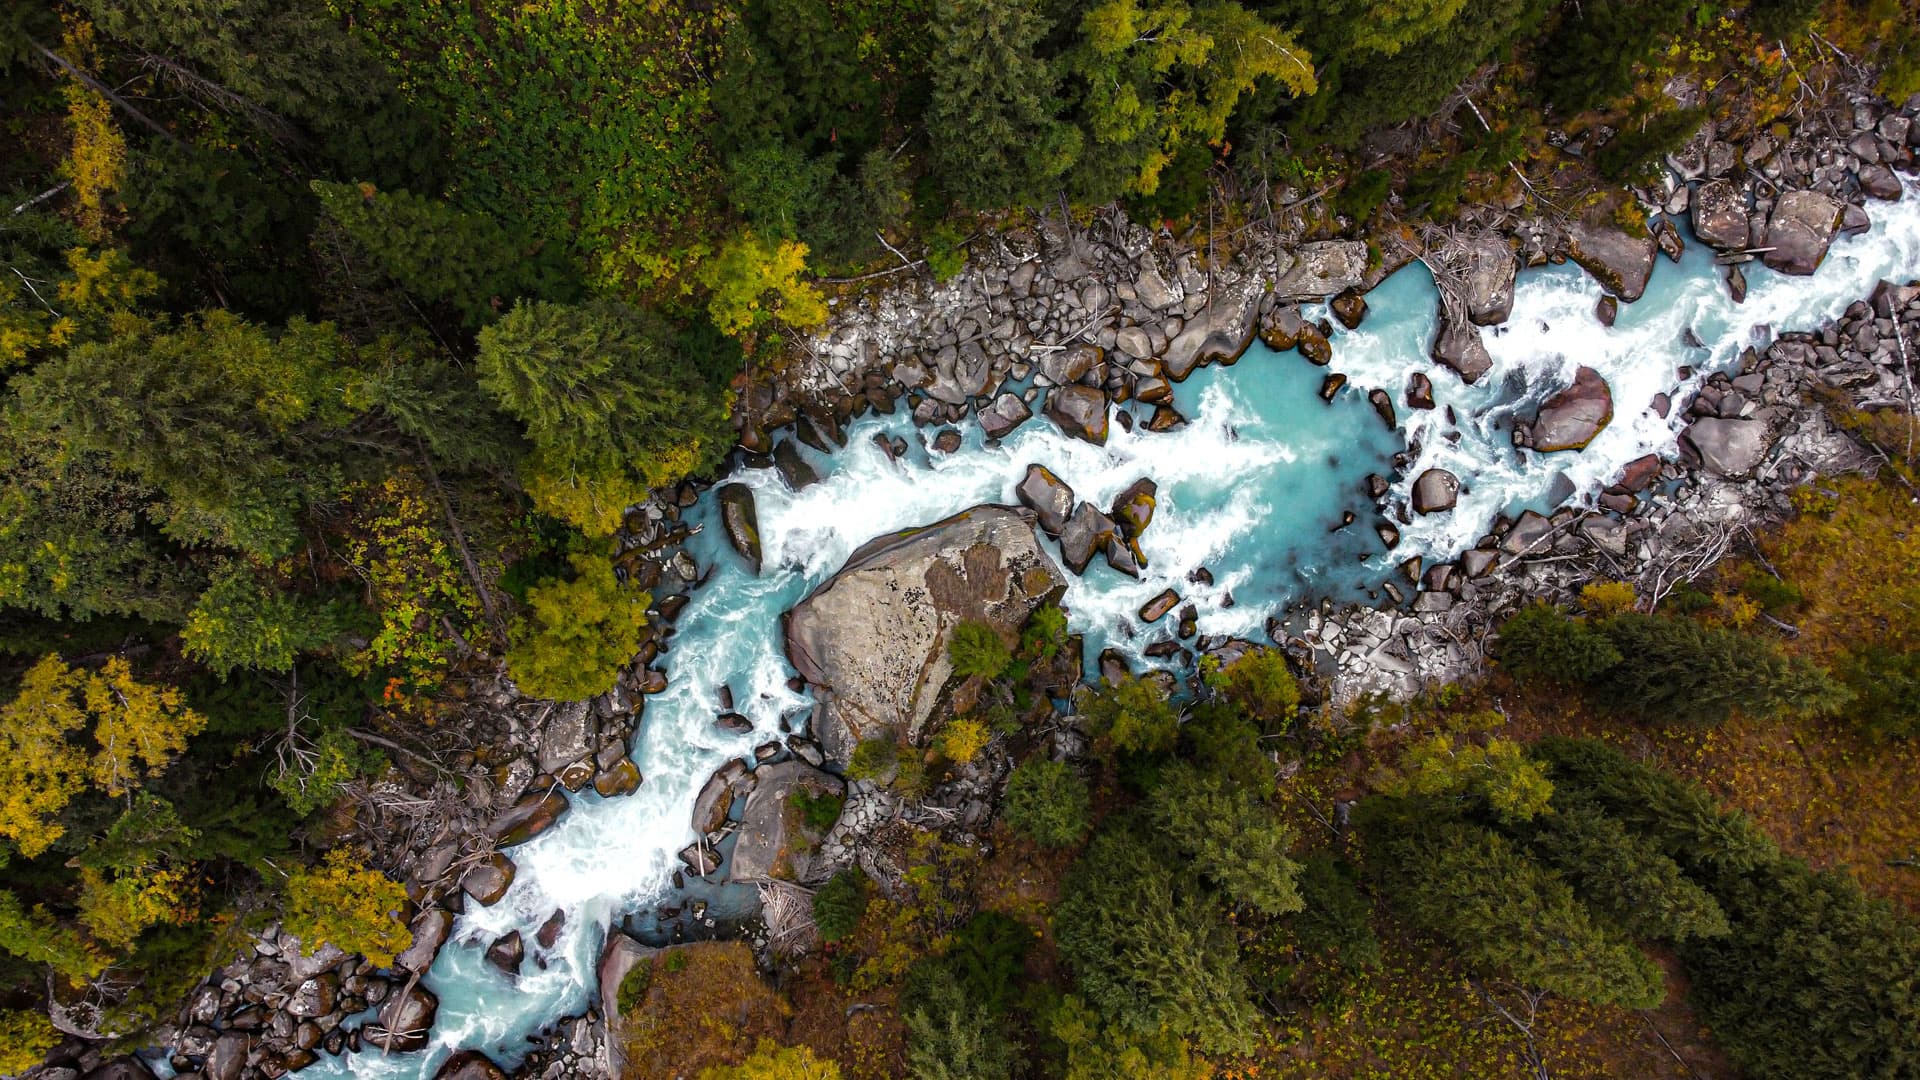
(1253, 488)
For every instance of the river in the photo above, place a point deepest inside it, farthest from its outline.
(1252, 488)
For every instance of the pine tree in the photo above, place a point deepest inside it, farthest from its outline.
(991, 124)
(1047, 802)
(1623, 874)
(1229, 839)
(1503, 911)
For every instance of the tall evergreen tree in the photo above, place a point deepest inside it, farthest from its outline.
(993, 133)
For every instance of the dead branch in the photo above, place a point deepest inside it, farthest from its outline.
(104, 91)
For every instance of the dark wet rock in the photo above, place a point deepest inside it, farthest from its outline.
(1667, 238)
(1737, 284)
(1222, 331)
(620, 778)
(1376, 486)
(1006, 412)
(533, 814)
(1854, 221)
(1069, 365)
(806, 750)
(1620, 263)
(1382, 403)
(1085, 536)
(313, 997)
(1720, 215)
(430, 928)
(700, 858)
(1478, 562)
(1331, 385)
(1729, 448)
(1435, 491)
(506, 952)
(487, 880)
(714, 804)
(1570, 419)
(1799, 231)
(733, 723)
(1350, 308)
(1527, 534)
(1389, 534)
(1639, 473)
(1879, 182)
(1154, 609)
(793, 468)
(947, 441)
(405, 1022)
(1419, 391)
(549, 931)
(772, 842)
(1283, 328)
(1113, 667)
(1322, 269)
(741, 522)
(873, 638)
(469, 1065)
(1491, 268)
(1048, 497)
(1132, 509)
(1458, 346)
(1165, 418)
(1314, 345)
(1152, 390)
(1079, 411)
(1607, 309)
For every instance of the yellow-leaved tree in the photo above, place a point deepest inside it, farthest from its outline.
(137, 730)
(344, 902)
(771, 1061)
(754, 280)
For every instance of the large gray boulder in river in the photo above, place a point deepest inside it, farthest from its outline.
(873, 638)
(1799, 230)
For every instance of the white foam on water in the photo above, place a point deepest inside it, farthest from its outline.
(1251, 488)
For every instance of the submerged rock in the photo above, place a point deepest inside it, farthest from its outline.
(793, 469)
(506, 952)
(1153, 610)
(1419, 391)
(872, 639)
(1435, 491)
(1570, 419)
(741, 522)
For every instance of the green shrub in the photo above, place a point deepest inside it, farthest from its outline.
(1262, 685)
(1364, 193)
(1637, 148)
(873, 759)
(839, 904)
(978, 649)
(633, 988)
(818, 811)
(1047, 803)
(1543, 643)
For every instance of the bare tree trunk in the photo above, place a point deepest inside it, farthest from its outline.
(104, 91)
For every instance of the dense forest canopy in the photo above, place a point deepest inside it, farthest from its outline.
(339, 337)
